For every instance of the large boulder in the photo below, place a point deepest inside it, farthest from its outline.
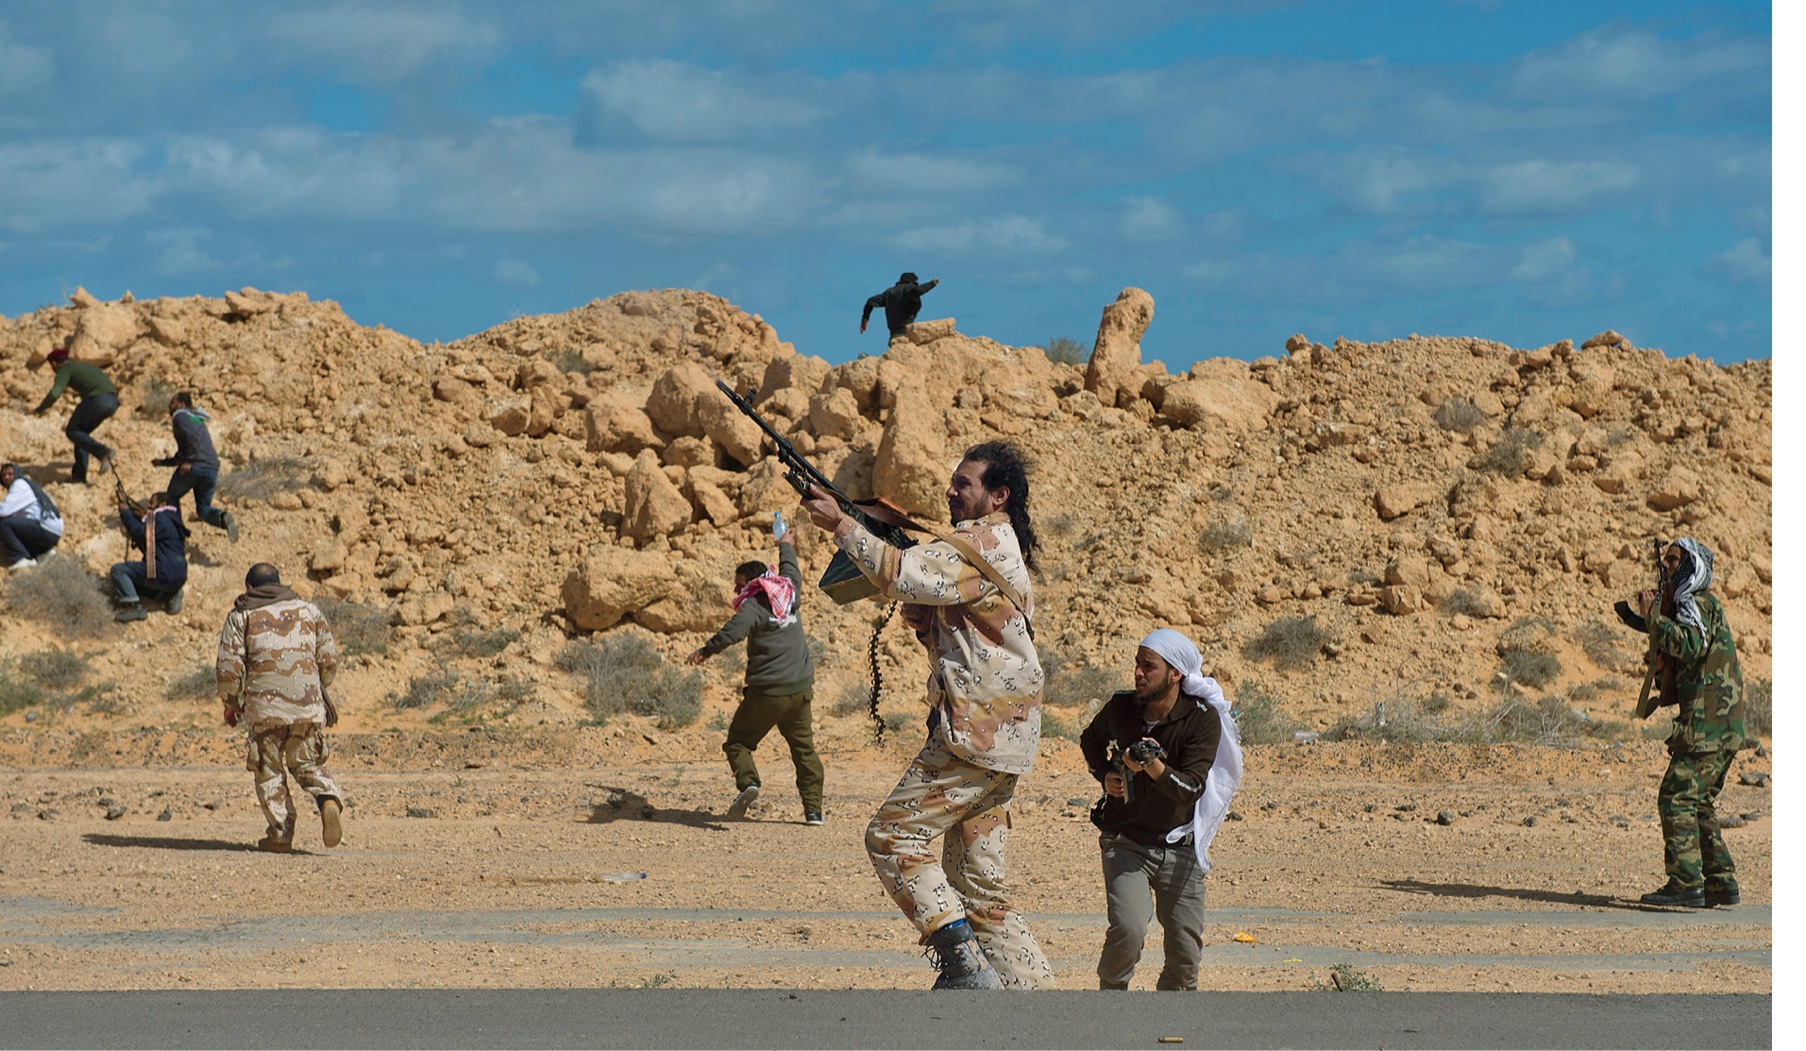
(655, 505)
(613, 422)
(612, 583)
(1116, 356)
(1220, 394)
(911, 466)
(672, 405)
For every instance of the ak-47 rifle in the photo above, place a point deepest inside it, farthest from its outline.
(843, 580)
(1656, 670)
(138, 506)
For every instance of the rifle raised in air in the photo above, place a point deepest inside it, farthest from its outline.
(1655, 668)
(843, 580)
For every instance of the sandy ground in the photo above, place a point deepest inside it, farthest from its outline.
(514, 860)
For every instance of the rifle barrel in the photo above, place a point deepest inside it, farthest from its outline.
(786, 452)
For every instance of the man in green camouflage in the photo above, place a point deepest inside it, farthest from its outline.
(1699, 672)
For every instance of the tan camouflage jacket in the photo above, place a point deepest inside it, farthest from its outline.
(984, 678)
(275, 661)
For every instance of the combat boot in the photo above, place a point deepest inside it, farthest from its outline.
(962, 963)
(1673, 893)
(1723, 893)
(748, 795)
(173, 604)
(129, 612)
(330, 829)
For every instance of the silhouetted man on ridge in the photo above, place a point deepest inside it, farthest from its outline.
(901, 302)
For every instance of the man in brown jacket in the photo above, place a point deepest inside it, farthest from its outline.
(276, 658)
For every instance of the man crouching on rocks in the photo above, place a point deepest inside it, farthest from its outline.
(276, 658)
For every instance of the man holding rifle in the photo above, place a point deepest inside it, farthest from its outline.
(1696, 663)
(984, 696)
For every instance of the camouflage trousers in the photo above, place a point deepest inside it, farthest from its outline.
(272, 754)
(969, 807)
(1693, 850)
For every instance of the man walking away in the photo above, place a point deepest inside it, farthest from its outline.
(99, 401)
(1169, 758)
(780, 677)
(30, 525)
(984, 719)
(901, 302)
(1700, 675)
(276, 658)
(163, 538)
(195, 462)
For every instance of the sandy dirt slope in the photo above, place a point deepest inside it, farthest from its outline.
(525, 872)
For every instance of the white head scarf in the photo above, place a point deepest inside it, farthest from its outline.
(1693, 577)
(1226, 773)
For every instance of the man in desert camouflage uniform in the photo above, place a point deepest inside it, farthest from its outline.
(276, 658)
(1708, 728)
(984, 696)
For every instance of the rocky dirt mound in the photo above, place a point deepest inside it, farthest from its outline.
(1429, 523)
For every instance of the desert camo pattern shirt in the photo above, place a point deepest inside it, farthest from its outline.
(1707, 680)
(276, 660)
(984, 678)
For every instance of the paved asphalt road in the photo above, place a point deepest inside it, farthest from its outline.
(685, 1018)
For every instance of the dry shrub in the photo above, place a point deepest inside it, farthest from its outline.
(61, 595)
(626, 673)
(1225, 534)
(17, 690)
(1071, 683)
(1529, 668)
(1511, 453)
(1458, 414)
(1601, 643)
(1259, 717)
(55, 669)
(1290, 643)
(153, 397)
(358, 629)
(478, 642)
(1467, 601)
(569, 359)
(1758, 710)
(260, 479)
(1064, 351)
(196, 683)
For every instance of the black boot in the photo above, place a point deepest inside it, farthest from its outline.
(1723, 893)
(962, 963)
(1673, 893)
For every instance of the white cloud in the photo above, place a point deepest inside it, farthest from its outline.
(1002, 235)
(921, 173)
(1627, 61)
(1382, 180)
(295, 173)
(1541, 186)
(1544, 260)
(513, 273)
(181, 251)
(23, 68)
(386, 43)
(1747, 261)
(49, 185)
(1151, 219)
(671, 101)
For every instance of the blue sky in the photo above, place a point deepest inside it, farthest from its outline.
(1522, 171)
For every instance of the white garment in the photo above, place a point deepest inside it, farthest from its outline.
(1226, 772)
(20, 499)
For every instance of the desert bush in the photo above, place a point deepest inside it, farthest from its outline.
(17, 690)
(426, 691)
(1054, 724)
(153, 397)
(1224, 534)
(569, 359)
(1072, 683)
(1467, 601)
(1343, 978)
(1511, 453)
(1529, 668)
(55, 669)
(1398, 720)
(1758, 712)
(626, 673)
(262, 478)
(358, 629)
(1601, 643)
(1062, 350)
(1547, 720)
(1290, 642)
(1458, 414)
(197, 682)
(61, 595)
(851, 699)
(1259, 717)
(478, 642)
(1058, 525)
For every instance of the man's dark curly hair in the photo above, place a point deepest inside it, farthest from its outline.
(1007, 468)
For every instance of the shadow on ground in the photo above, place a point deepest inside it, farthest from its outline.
(102, 839)
(626, 805)
(1476, 890)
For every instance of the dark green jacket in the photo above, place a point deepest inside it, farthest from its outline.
(777, 652)
(87, 381)
(1707, 680)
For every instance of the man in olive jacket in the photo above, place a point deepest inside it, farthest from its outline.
(780, 677)
(99, 401)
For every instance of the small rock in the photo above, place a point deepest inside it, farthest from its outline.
(1405, 808)
(1754, 778)
(1445, 817)
(1530, 822)
(21, 808)
(165, 815)
(115, 812)
(1078, 801)
(1233, 815)
(421, 811)
(48, 814)
(210, 806)
(1303, 736)
(1730, 821)
(1753, 815)
(1269, 805)
(31, 717)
